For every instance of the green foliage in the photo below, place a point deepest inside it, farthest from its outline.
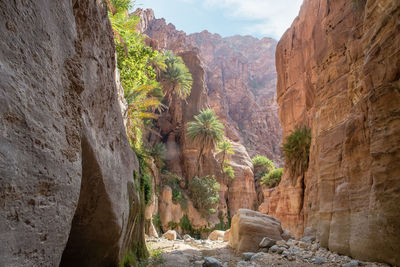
(173, 180)
(262, 165)
(136, 63)
(225, 148)
(172, 225)
(186, 225)
(204, 193)
(156, 255)
(206, 131)
(222, 225)
(145, 176)
(296, 150)
(273, 178)
(228, 170)
(158, 154)
(177, 76)
(122, 5)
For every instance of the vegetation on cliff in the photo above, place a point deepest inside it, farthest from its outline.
(296, 150)
(225, 148)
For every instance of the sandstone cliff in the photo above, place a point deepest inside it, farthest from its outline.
(67, 191)
(338, 73)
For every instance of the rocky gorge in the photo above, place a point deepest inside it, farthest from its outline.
(74, 190)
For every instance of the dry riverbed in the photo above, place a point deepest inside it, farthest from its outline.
(197, 253)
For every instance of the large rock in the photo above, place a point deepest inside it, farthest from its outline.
(250, 227)
(338, 72)
(216, 235)
(66, 170)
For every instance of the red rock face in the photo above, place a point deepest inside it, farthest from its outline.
(338, 73)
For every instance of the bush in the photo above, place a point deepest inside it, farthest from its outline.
(158, 153)
(186, 225)
(273, 178)
(296, 150)
(204, 193)
(228, 170)
(173, 180)
(262, 165)
(172, 225)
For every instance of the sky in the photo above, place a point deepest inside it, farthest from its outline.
(259, 18)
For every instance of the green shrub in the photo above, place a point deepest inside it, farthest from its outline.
(272, 178)
(173, 180)
(172, 225)
(296, 150)
(186, 225)
(156, 255)
(204, 193)
(262, 164)
(228, 170)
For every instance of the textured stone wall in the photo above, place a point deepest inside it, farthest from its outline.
(338, 73)
(67, 193)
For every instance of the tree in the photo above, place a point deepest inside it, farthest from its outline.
(206, 131)
(225, 148)
(204, 193)
(296, 150)
(176, 76)
(272, 178)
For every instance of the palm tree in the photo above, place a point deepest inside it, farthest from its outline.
(225, 148)
(206, 131)
(177, 76)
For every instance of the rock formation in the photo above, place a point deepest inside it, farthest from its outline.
(338, 73)
(250, 227)
(67, 192)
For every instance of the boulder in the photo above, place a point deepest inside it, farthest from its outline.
(211, 262)
(217, 235)
(250, 227)
(170, 235)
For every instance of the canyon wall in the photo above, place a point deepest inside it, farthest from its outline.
(67, 192)
(338, 73)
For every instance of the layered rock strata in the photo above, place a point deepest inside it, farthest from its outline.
(67, 192)
(338, 73)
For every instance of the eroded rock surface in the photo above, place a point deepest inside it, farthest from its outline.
(338, 73)
(67, 192)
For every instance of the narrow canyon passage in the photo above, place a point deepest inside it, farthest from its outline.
(199, 133)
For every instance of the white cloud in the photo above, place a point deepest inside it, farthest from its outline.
(271, 17)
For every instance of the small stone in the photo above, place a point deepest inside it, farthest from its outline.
(352, 263)
(308, 239)
(318, 260)
(211, 262)
(314, 247)
(275, 249)
(256, 256)
(198, 263)
(281, 243)
(248, 255)
(267, 242)
(244, 264)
